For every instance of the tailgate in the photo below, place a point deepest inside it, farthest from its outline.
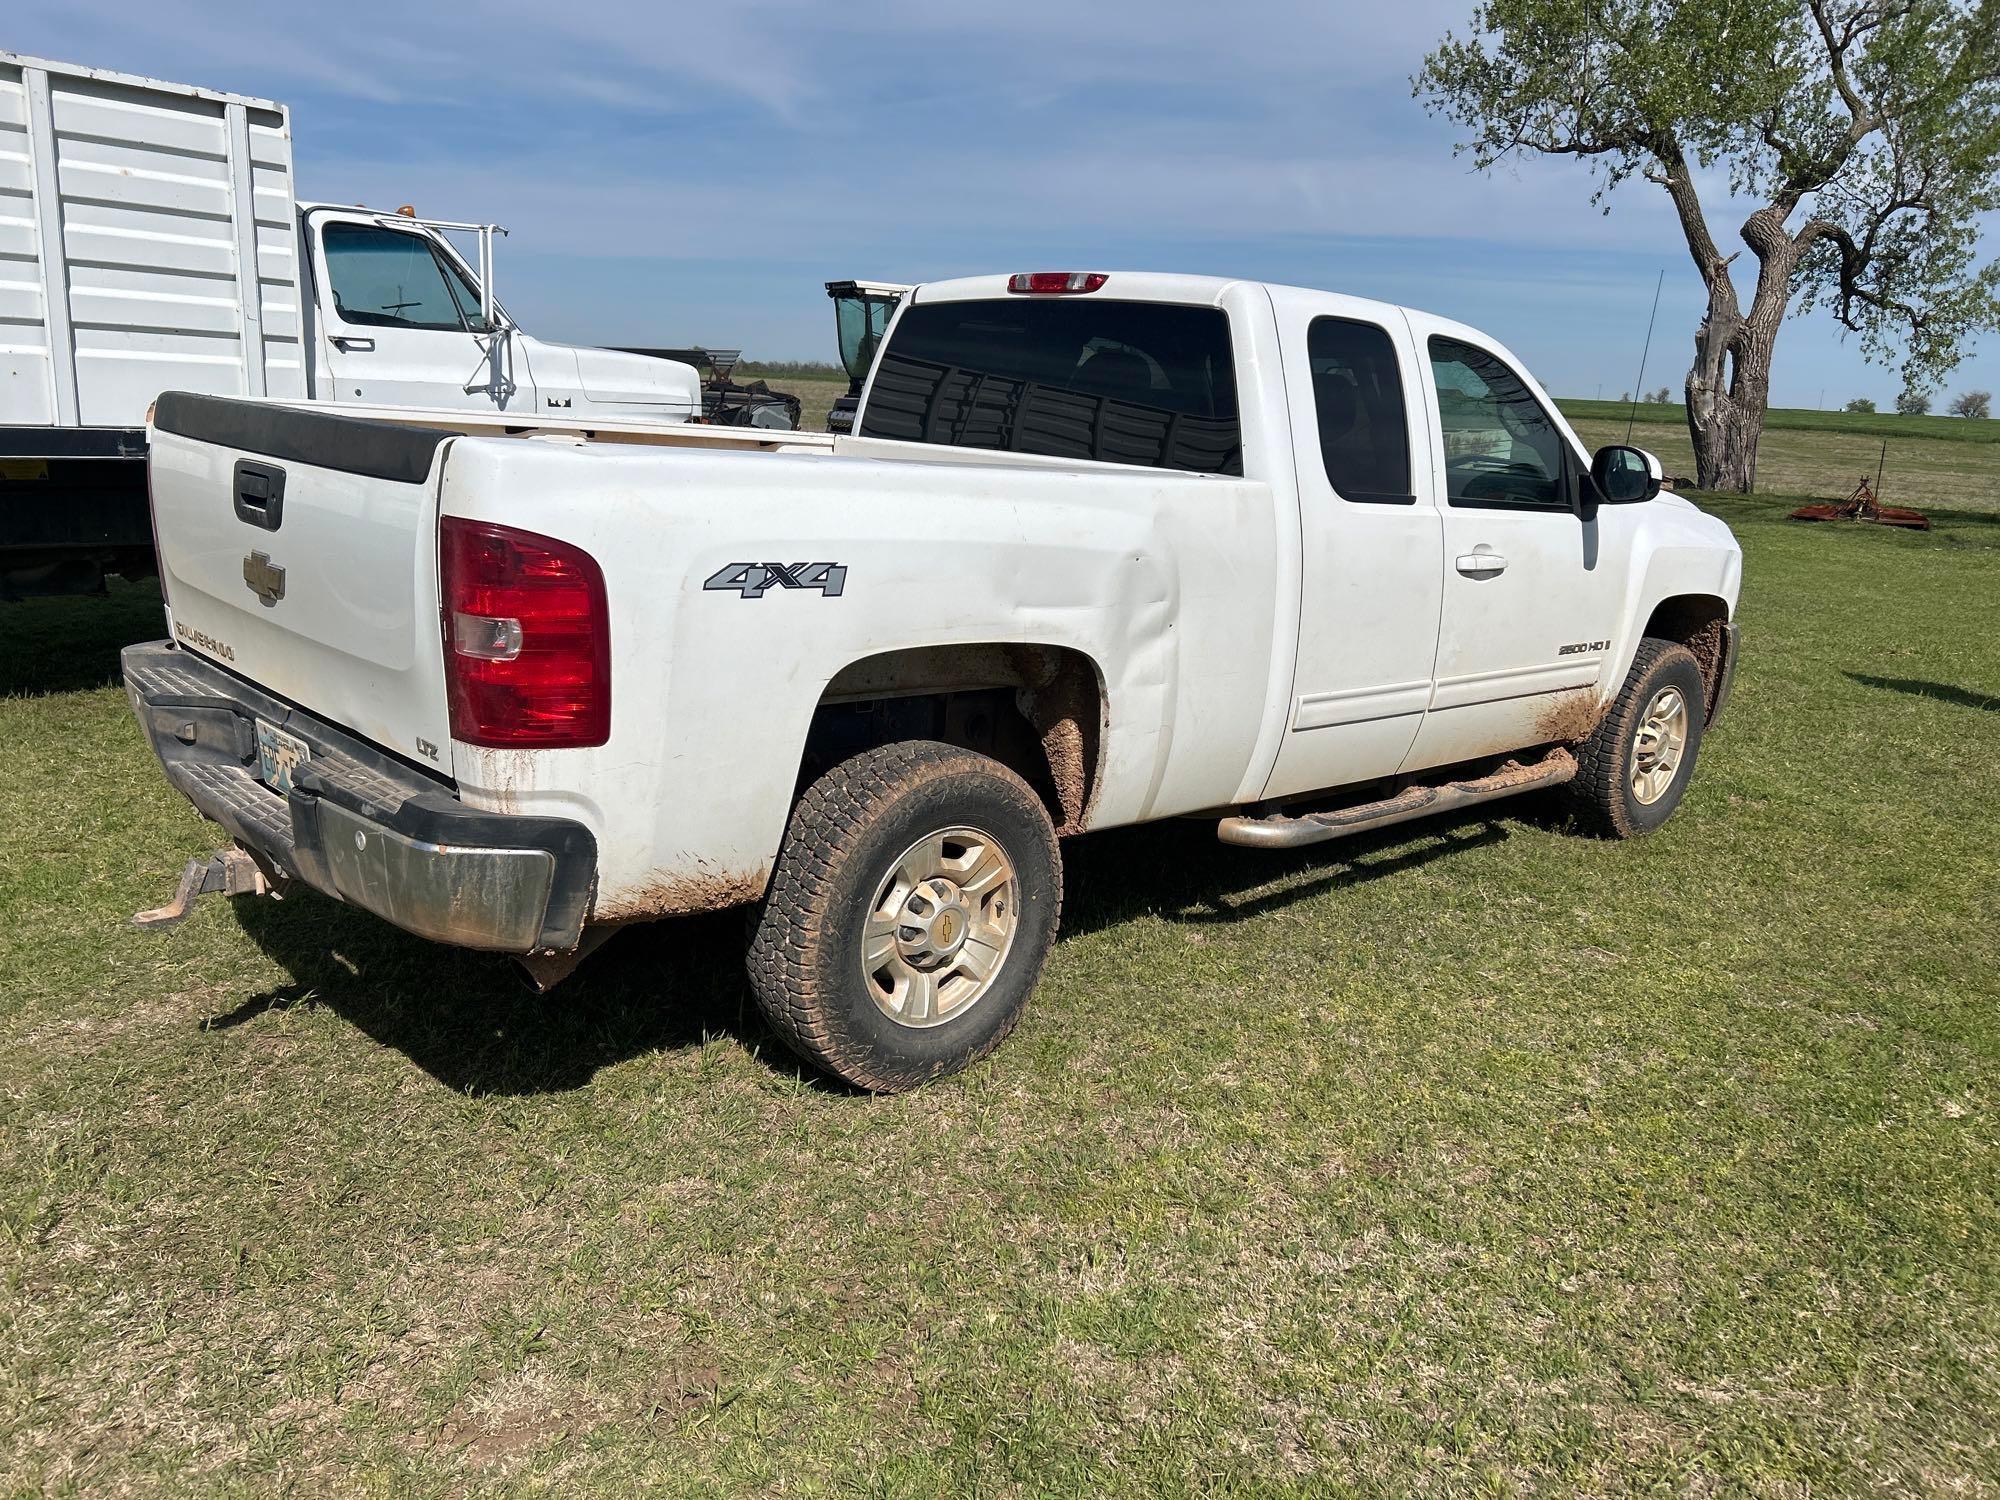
(299, 549)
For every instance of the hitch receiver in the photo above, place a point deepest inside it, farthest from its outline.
(227, 872)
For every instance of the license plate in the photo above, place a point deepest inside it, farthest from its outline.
(279, 755)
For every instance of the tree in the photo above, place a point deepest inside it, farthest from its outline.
(1876, 123)
(1860, 403)
(1975, 404)
(1913, 404)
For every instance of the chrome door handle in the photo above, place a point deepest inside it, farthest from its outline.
(350, 345)
(1481, 564)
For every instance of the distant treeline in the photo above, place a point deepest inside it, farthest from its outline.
(1875, 424)
(793, 369)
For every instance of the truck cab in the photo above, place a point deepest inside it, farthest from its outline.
(1447, 583)
(403, 320)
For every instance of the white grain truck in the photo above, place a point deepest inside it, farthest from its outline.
(150, 240)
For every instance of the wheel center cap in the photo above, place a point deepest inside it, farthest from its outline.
(949, 927)
(934, 924)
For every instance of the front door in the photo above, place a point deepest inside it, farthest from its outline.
(401, 325)
(1371, 554)
(1532, 595)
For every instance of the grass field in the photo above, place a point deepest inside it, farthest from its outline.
(1476, 1158)
(1877, 424)
(817, 396)
(1928, 460)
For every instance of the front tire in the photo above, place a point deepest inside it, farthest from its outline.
(913, 907)
(1634, 768)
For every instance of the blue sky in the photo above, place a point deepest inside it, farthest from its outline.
(692, 174)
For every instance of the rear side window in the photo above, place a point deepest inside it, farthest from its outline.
(1364, 430)
(1129, 382)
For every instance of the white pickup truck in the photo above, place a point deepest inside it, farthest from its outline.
(1103, 549)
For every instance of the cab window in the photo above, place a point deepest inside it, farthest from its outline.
(1150, 383)
(384, 278)
(466, 294)
(1364, 430)
(1501, 449)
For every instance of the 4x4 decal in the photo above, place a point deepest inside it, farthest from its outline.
(751, 579)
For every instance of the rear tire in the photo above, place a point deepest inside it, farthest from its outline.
(913, 907)
(1633, 770)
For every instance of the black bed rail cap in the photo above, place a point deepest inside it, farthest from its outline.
(323, 439)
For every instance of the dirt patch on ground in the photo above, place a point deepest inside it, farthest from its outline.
(515, 1418)
(1571, 717)
(679, 894)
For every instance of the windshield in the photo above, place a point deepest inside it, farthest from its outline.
(392, 278)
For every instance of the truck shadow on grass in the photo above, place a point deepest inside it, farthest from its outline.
(72, 645)
(1942, 692)
(473, 1025)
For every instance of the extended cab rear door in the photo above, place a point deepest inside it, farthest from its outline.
(1372, 551)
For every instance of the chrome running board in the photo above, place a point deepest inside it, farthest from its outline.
(1282, 831)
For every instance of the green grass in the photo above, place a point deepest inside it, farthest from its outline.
(1928, 460)
(816, 396)
(1474, 1159)
(1875, 424)
(790, 369)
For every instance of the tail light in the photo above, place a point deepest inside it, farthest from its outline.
(527, 639)
(1043, 283)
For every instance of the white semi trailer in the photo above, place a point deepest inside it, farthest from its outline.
(151, 240)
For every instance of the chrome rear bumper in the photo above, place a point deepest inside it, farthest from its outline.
(360, 825)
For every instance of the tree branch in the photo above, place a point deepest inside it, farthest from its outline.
(1679, 183)
(1854, 262)
(1836, 54)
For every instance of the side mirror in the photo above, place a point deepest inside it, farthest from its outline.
(1624, 475)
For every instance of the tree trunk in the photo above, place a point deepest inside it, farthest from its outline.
(1725, 450)
(1730, 381)
(1726, 419)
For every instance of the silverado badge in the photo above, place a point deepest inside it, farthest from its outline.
(265, 578)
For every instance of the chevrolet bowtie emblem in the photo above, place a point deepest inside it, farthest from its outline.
(265, 578)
